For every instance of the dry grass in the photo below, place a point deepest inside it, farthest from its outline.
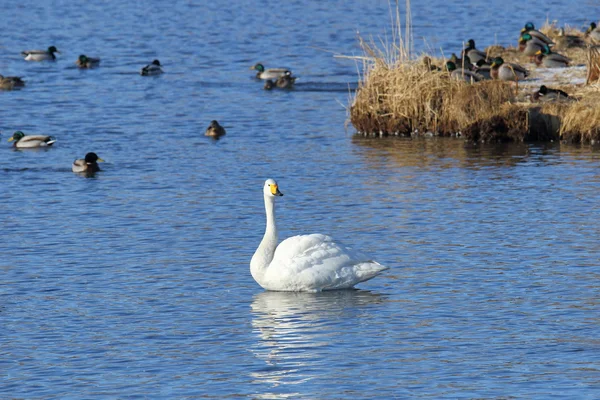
(400, 96)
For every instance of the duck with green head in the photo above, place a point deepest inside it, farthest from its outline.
(530, 29)
(23, 141)
(529, 45)
(89, 164)
(271, 73)
(507, 71)
(461, 74)
(593, 33)
(549, 59)
(11, 82)
(472, 52)
(87, 62)
(40, 55)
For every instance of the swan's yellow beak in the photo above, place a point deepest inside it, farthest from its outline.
(275, 190)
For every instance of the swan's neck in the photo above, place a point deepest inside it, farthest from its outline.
(264, 254)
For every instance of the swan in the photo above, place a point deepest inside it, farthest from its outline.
(306, 263)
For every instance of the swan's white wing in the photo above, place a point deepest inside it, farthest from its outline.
(315, 262)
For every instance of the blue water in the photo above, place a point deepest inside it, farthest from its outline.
(135, 283)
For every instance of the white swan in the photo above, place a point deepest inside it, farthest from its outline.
(306, 263)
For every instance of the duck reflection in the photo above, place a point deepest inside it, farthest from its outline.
(294, 330)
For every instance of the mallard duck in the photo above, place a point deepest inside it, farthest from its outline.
(530, 29)
(464, 63)
(548, 94)
(23, 141)
(269, 85)
(87, 62)
(271, 73)
(593, 32)
(549, 59)
(11, 82)
(473, 54)
(428, 64)
(286, 81)
(306, 263)
(89, 164)
(507, 72)
(40, 55)
(564, 42)
(153, 68)
(215, 130)
(529, 45)
(461, 74)
(484, 69)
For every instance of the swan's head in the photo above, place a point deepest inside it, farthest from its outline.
(271, 189)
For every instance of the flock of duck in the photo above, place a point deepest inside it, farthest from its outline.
(274, 78)
(300, 263)
(476, 65)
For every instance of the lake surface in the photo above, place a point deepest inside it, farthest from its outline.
(135, 283)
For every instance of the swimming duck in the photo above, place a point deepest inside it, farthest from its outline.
(593, 32)
(11, 82)
(548, 94)
(89, 164)
(549, 59)
(269, 85)
(40, 55)
(153, 68)
(271, 73)
(564, 42)
(461, 74)
(214, 130)
(306, 263)
(286, 81)
(529, 45)
(87, 62)
(473, 54)
(530, 29)
(23, 141)
(507, 71)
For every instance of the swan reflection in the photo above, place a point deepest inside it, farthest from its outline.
(296, 331)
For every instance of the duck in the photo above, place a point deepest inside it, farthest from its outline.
(40, 55)
(549, 59)
(529, 28)
(11, 82)
(269, 84)
(214, 130)
(564, 42)
(271, 73)
(548, 94)
(461, 74)
(593, 32)
(507, 72)
(428, 64)
(87, 62)
(306, 263)
(529, 45)
(483, 68)
(154, 68)
(464, 63)
(473, 54)
(23, 141)
(89, 164)
(286, 81)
